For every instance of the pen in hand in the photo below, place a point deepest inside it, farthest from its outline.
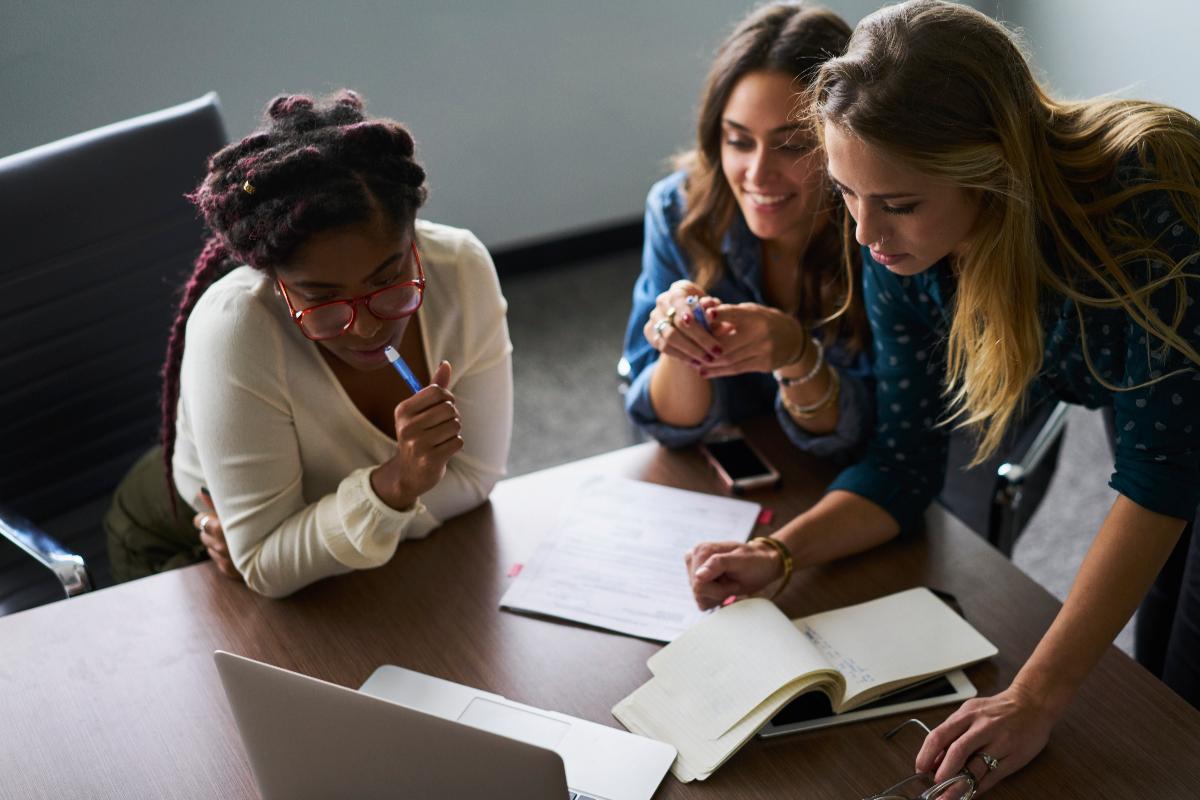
(693, 301)
(393, 357)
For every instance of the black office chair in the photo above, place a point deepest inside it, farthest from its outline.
(97, 236)
(997, 498)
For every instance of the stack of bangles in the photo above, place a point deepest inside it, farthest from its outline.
(831, 394)
(785, 556)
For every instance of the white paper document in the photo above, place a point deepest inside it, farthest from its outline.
(615, 557)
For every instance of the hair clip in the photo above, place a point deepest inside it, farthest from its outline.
(248, 187)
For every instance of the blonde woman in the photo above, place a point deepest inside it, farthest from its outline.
(745, 233)
(1014, 247)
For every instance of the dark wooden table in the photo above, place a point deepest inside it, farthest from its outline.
(115, 694)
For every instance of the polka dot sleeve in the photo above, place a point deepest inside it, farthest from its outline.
(1158, 425)
(905, 463)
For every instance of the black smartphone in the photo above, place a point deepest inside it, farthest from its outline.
(739, 466)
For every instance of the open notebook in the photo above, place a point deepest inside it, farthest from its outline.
(723, 679)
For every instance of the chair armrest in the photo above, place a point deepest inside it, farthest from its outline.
(624, 371)
(1045, 436)
(68, 567)
(1022, 479)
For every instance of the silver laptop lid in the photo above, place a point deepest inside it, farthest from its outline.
(309, 738)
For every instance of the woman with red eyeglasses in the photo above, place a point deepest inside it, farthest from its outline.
(307, 455)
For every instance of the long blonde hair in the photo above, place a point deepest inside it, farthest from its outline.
(948, 92)
(793, 39)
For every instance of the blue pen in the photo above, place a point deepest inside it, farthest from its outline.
(698, 313)
(396, 361)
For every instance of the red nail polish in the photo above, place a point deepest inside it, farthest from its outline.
(703, 373)
(707, 357)
(695, 363)
(717, 350)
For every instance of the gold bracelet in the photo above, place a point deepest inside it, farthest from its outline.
(784, 554)
(830, 398)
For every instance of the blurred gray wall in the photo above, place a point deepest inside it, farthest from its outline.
(1084, 48)
(534, 117)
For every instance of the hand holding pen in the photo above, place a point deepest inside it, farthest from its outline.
(679, 325)
(759, 338)
(427, 434)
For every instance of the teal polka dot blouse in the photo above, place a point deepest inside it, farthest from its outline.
(1158, 425)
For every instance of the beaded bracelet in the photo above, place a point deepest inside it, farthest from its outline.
(785, 556)
(830, 398)
(808, 376)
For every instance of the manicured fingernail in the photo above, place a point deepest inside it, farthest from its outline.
(708, 357)
(695, 363)
(717, 350)
(687, 320)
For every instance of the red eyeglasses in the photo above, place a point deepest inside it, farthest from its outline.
(332, 319)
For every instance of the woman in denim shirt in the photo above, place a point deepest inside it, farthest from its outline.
(744, 235)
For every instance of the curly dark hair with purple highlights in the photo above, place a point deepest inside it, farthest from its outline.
(314, 166)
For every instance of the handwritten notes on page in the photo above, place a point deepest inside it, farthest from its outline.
(717, 684)
(615, 557)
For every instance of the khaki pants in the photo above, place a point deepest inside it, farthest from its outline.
(144, 537)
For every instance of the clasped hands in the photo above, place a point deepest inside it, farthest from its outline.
(742, 337)
(212, 535)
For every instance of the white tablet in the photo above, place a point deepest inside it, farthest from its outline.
(812, 710)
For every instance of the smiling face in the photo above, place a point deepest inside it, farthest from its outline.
(771, 167)
(909, 220)
(350, 262)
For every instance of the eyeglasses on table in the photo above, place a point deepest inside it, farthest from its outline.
(922, 786)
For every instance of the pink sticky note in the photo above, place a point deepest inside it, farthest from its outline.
(515, 570)
(765, 516)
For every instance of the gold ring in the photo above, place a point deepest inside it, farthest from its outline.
(670, 319)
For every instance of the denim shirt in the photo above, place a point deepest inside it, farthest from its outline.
(1157, 426)
(740, 396)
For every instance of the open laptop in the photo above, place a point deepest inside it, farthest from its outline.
(406, 734)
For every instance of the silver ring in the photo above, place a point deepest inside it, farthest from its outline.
(661, 326)
(204, 520)
(693, 299)
(991, 761)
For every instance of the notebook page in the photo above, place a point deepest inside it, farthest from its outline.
(615, 557)
(897, 638)
(727, 664)
(651, 711)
